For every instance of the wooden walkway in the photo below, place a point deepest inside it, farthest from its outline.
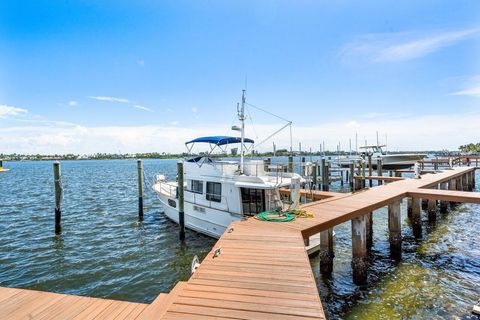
(256, 270)
(30, 304)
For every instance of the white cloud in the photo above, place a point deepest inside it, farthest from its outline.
(141, 63)
(194, 109)
(352, 124)
(406, 133)
(137, 106)
(473, 92)
(72, 103)
(110, 99)
(10, 111)
(174, 123)
(393, 47)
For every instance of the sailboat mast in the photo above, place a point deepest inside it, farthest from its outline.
(241, 117)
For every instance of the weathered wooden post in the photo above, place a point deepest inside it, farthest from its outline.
(140, 189)
(464, 182)
(181, 202)
(369, 235)
(370, 170)
(432, 210)
(417, 217)
(302, 167)
(409, 207)
(359, 250)
(326, 252)
(325, 176)
(443, 204)
(57, 178)
(314, 175)
(395, 228)
(379, 170)
(458, 183)
(473, 178)
(290, 163)
(363, 174)
(452, 185)
(352, 176)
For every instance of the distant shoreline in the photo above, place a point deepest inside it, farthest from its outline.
(106, 156)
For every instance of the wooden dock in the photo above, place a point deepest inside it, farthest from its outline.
(261, 270)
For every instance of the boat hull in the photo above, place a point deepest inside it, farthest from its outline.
(210, 222)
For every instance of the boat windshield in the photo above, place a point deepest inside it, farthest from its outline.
(377, 149)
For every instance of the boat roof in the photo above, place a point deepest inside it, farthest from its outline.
(220, 140)
(374, 146)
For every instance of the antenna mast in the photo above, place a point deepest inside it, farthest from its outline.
(241, 117)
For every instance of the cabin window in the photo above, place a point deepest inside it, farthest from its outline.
(197, 186)
(253, 201)
(214, 191)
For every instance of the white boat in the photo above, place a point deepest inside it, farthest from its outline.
(389, 161)
(218, 192)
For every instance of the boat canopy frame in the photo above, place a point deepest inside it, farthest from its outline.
(220, 142)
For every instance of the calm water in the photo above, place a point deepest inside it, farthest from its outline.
(104, 251)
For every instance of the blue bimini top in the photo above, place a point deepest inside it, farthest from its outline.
(220, 140)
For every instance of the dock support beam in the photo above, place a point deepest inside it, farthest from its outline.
(290, 163)
(443, 204)
(314, 175)
(58, 197)
(326, 252)
(181, 202)
(359, 250)
(140, 189)
(395, 228)
(416, 218)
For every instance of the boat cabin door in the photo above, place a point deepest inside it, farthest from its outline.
(253, 201)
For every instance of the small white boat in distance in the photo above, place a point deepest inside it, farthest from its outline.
(218, 192)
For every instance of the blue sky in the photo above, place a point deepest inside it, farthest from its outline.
(103, 76)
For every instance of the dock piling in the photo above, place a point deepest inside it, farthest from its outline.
(379, 170)
(395, 228)
(432, 210)
(417, 217)
(363, 174)
(140, 189)
(58, 197)
(325, 176)
(181, 202)
(370, 170)
(326, 252)
(359, 250)
(352, 176)
(314, 175)
(369, 235)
